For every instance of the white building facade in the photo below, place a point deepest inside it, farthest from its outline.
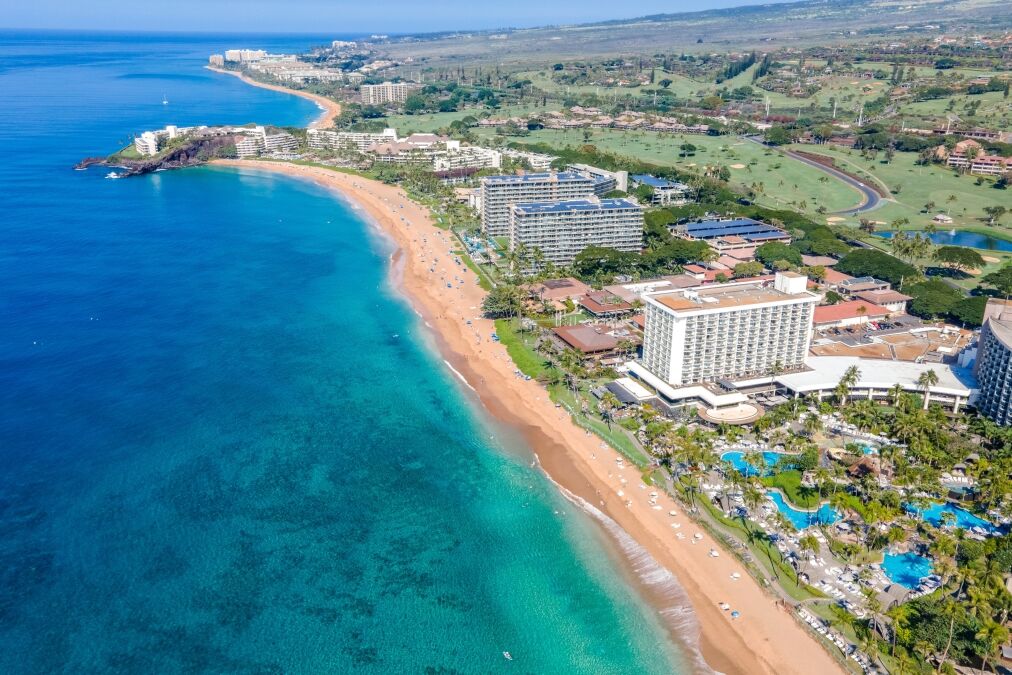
(500, 193)
(728, 331)
(323, 139)
(387, 92)
(560, 230)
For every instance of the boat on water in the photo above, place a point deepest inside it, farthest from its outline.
(113, 174)
(165, 101)
(507, 656)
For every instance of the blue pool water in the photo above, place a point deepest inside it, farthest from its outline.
(737, 460)
(963, 518)
(825, 515)
(869, 450)
(225, 446)
(961, 238)
(906, 569)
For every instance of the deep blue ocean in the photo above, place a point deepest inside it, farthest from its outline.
(225, 445)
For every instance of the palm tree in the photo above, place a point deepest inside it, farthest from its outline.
(849, 379)
(896, 392)
(808, 544)
(812, 425)
(609, 403)
(953, 611)
(990, 638)
(926, 381)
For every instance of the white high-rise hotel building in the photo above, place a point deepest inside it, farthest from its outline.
(728, 331)
(560, 230)
(500, 193)
(387, 92)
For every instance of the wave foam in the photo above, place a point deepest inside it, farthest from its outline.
(676, 608)
(459, 375)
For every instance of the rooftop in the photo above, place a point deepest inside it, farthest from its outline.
(724, 296)
(586, 339)
(655, 182)
(746, 228)
(834, 277)
(603, 302)
(576, 205)
(826, 372)
(818, 260)
(882, 297)
(851, 309)
(560, 177)
(558, 289)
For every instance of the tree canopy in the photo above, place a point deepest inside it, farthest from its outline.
(870, 262)
(772, 252)
(959, 257)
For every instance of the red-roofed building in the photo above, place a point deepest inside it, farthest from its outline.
(590, 341)
(603, 303)
(833, 277)
(849, 313)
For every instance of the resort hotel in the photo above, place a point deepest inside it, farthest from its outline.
(560, 230)
(729, 348)
(729, 330)
(500, 193)
(994, 362)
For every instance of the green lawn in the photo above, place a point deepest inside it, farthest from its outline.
(789, 482)
(913, 186)
(428, 122)
(787, 182)
(520, 347)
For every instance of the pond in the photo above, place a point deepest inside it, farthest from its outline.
(825, 515)
(960, 238)
(906, 569)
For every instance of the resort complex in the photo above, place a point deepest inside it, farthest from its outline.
(753, 298)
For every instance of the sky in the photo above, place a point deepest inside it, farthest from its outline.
(322, 16)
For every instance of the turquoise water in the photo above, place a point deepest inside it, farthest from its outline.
(226, 447)
(962, 518)
(824, 515)
(906, 569)
(737, 460)
(961, 238)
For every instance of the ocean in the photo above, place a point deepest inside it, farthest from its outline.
(225, 442)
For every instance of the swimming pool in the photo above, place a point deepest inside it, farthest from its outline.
(825, 515)
(737, 460)
(963, 518)
(906, 569)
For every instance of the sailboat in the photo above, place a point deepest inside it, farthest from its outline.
(165, 101)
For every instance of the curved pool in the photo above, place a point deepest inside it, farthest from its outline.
(825, 515)
(737, 460)
(906, 569)
(963, 518)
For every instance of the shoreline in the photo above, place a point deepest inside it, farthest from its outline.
(329, 109)
(766, 638)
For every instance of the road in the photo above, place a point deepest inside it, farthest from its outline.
(870, 199)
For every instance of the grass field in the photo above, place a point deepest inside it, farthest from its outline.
(914, 186)
(428, 122)
(786, 181)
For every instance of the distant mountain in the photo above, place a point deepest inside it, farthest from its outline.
(800, 24)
